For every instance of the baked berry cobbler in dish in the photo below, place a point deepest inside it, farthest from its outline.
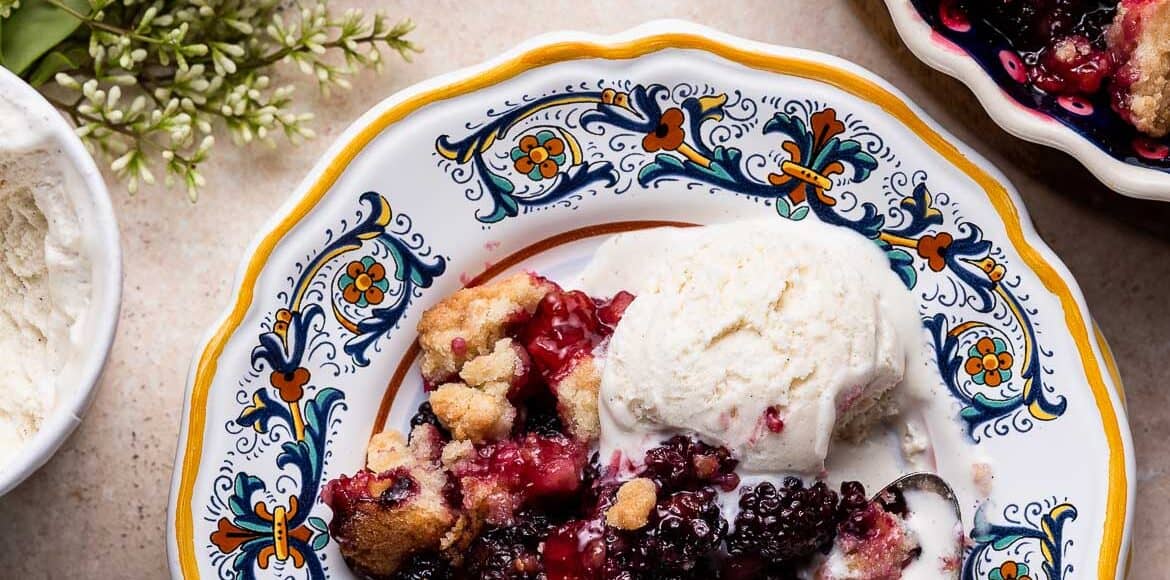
(543, 451)
(1082, 47)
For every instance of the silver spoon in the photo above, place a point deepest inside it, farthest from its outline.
(922, 481)
(892, 497)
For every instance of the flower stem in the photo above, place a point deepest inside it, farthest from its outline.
(92, 23)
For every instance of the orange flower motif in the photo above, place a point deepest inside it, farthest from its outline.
(668, 134)
(291, 385)
(539, 156)
(1010, 570)
(364, 282)
(933, 248)
(989, 362)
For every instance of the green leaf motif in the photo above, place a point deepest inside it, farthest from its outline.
(783, 208)
(318, 524)
(34, 29)
(903, 265)
(1006, 542)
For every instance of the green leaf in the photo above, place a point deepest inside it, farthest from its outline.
(34, 29)
(55, 62)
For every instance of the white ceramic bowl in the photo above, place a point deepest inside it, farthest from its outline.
(1027, 123)
(77, 388)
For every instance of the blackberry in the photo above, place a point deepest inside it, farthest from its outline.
(684, 532)
(426, 416)
(511, 552)
(425, 566)
(852, 513)
(540, 416)
(1031, 25)
(683, 463)
(753, 568)
(689, 527)
(784, 525)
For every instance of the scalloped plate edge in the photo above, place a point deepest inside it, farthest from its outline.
(647, 38)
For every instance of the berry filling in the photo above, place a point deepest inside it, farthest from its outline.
(388, 489)
(683, 463)
(784, 526)
(426, 416)
(510, 552)
(686, 528)
(425, 566)
(772, 420)
(533, 466)
(1063, 42)
(567, 325)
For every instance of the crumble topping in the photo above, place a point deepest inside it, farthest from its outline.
(477, 414)
(383, 517)
(470, 322)
(387, 450)
(1140, 36)
(456, 452)
(577, 399)
(635, 500)
(503, 365)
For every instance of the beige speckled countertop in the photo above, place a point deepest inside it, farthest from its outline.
(98, 509)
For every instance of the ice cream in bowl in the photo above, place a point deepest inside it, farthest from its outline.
(60, 280)
(725, 401)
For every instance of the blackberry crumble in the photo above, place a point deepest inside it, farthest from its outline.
(456, 499)
(1086, 47)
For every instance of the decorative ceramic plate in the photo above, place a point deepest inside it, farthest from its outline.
(1088, 129)
(437, 188)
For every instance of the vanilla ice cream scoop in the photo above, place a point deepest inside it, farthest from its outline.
(763, 336)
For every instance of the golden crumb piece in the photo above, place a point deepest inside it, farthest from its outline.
(386, 451)
(455, 543)
(456, 452)
(1148, 65)
(426, 443)
(478, 415)
(376, 540)
(468, 323)
(577, 399)
(486, 500)
(631, 509)
(501, 365)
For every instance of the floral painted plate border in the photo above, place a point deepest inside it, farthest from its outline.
(525, 162)
(1114, 152)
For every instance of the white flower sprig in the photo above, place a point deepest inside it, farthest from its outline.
(7, 6)
(147, 83)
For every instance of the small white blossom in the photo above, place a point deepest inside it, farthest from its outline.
(162, 75)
